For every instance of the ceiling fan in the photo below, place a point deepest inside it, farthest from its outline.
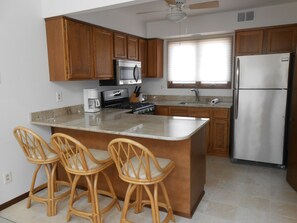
(177, 8)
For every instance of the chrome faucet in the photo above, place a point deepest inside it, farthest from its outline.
(196, 93)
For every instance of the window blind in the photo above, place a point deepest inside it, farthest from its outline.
(206, 61)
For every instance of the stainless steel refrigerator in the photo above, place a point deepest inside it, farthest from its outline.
(260, 102)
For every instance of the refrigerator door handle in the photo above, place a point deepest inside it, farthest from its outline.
(236, 96)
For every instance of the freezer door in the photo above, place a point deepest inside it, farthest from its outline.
(259, 127)
(263, 71)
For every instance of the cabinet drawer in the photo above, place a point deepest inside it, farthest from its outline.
(221, 113)
(199, 112)
(178, 111)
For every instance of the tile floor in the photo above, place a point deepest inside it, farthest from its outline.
(234, 193)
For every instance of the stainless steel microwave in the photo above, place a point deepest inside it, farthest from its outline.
(126, 72)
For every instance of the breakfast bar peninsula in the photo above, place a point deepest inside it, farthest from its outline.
(181, 139)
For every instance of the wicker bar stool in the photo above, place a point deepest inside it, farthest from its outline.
(80, 161)
(40, 153)
(137, 166)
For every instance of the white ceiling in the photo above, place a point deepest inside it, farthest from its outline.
(224, 5)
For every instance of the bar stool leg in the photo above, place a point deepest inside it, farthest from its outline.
(129, 192)
(32, 185)
(169, 210)
(153, 206)
(72, 194)
(138, 201)
(111, 190)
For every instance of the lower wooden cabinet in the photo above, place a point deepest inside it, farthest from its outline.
(218, 129)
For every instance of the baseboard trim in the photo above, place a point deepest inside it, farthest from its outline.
(13, 201)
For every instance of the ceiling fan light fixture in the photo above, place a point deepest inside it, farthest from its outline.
(176, 16)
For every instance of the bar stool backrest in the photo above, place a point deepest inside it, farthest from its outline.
(75, 157)
(134, 162)
(33, 145)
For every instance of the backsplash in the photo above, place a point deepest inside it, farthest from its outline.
(159, 98)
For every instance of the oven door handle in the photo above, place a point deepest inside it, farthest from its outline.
(136, 73)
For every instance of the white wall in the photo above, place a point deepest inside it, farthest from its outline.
(25, 87)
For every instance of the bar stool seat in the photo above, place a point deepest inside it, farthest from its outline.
(81, 161)
(39, 152)
(137, 166)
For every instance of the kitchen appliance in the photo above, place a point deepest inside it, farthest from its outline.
(91, 100)
(126, 72)
(260, 107)
(119, 98)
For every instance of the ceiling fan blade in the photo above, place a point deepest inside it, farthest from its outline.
(170, 2)
(205, 5)
(142, 13)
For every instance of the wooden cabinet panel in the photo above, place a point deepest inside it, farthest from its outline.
(218, 128)
(69, 49)
(178, 111)
(162, 110)
(155, 58)
(79, 53)
(142, 56)
(281, 40)
(103, 53)
(132, 43)
(220, 137)
(199, 112)
(120, 45)
(248, 42)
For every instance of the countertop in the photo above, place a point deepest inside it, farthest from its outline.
(117, 121)
(193, 104)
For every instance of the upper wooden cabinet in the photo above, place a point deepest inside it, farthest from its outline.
(155, 58)
(69, 49)
(103, 53)
(120, 45)
(125, 46)
(277, 39)
(142, 56)
(132, 43)
(281, 40)
(249, 42)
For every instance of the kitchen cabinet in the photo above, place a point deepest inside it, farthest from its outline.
(248, 42)
(142, 56)
(161, 110)
(120, 45)
(155, 58)
(178, 111)
(69, 49)
(103, 53)
(132, 43)
(281, 40)
(218, 128)
(276, 39)
(125, 46)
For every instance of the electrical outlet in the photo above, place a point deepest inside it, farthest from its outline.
(59, 97)
(7, 177)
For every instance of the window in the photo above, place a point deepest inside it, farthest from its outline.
(203, 63)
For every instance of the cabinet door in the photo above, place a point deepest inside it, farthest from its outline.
(79, 52)
(142, 56)
(281, 40)
(155, 58)
(103, 49)
(161, 110)
(132, 43)
(220, 137)
(178, 111)
(120, 45)
(248, 42)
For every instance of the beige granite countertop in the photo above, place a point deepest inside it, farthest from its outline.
(193, 104)
(117, 121)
